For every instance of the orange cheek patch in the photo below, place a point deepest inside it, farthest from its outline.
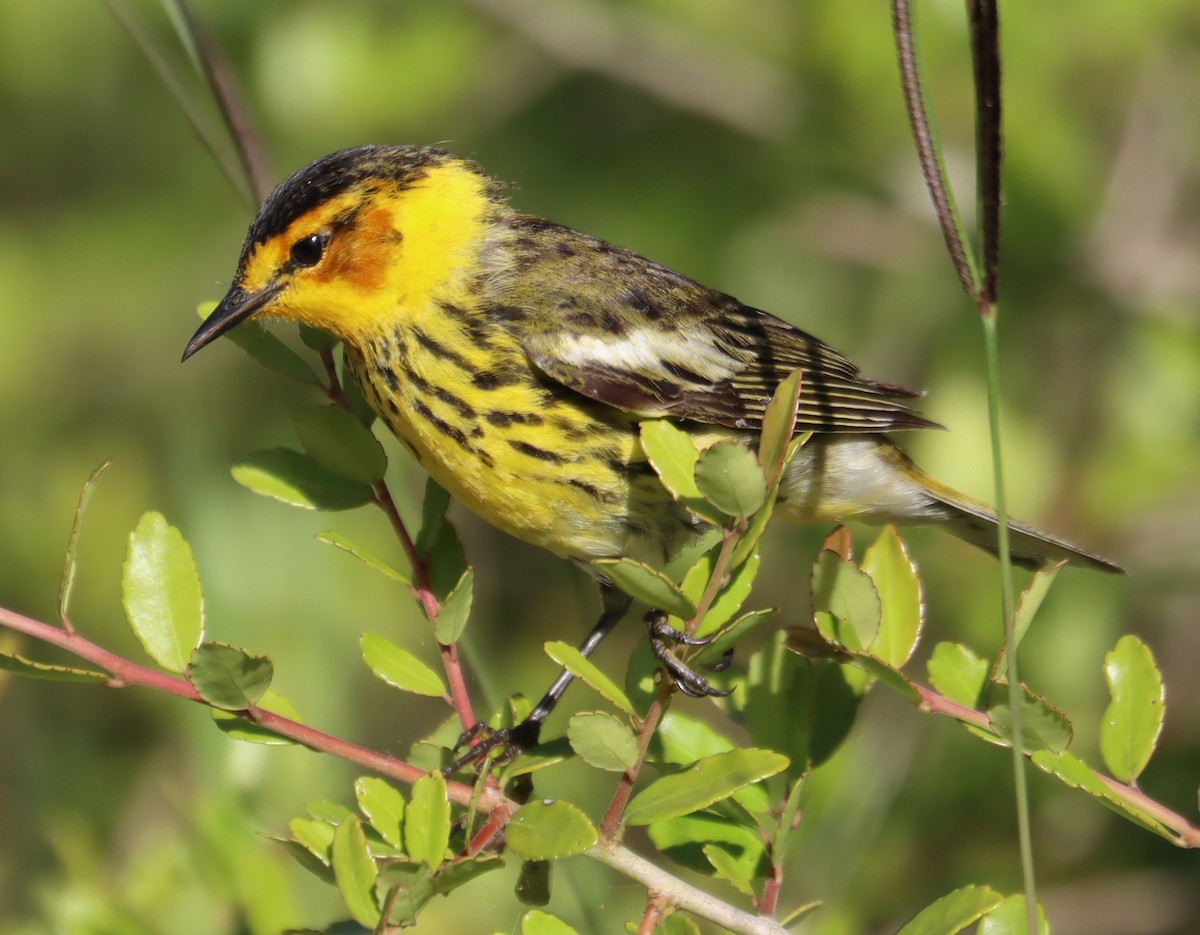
(360, 259)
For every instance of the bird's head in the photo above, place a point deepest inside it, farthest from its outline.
(356, 240)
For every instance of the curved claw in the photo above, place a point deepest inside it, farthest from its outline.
(511, 742)
(687, 680)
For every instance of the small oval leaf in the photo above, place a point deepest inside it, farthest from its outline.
(898, 587)
(706, 781)
(953, 912)
(383, 805)
(337, 540)
(339, 442)
(270, 351)
(239, 728)
(731, 479)
(643, 583)
(536, 922)
(355, 872)
(400, 668)
(841, 588)
(1134, 718)
(161, 592)
(586, 671)
(427, 821)
(455, 610)
(19, 665)
(548, 829)
(602, 741)
(957, 673)
(296, 479)
(228, 677)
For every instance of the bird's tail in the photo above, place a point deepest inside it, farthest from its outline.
(976, 523)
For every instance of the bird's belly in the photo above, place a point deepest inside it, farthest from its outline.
(551, 474)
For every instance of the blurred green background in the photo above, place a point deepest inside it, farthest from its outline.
(757, 145)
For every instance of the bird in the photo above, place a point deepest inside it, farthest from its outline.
(515, 359)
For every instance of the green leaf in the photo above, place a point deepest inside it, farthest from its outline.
(643, 583)
(732, 634)
(889, 675)
(239, 728)
(297, 479)
(317, 339)
(586, 671)
(332, 813)
(1010, 918)
(337, 540)
(1134, 718)
(340, 443)
(314, 836)
(546, 829)
(673, 455)
(427, 821)
(894, 575)
(956, 672)
(19, 665)
(779, 425)
(684, 739)
(731, 479)
(1043, 726)
(841, 588)
(160, 589)
(455, 610)
(355, 872)
(228, 677)
(433, 515)
(67, 582)
(383, 805)
(1027, 607)
(729, 869)
(438, 542)
(356, 402)
(536, 922)
(462, 871)
(706, 781)
(603, 741)
(409, 887)
(1078, 775)
(271, 352)
(730, 598)
(682, 838)
(400, 668)
(953, 912)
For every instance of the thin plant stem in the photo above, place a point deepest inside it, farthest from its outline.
(982, 290)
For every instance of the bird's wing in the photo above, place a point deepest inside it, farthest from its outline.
(637, 336)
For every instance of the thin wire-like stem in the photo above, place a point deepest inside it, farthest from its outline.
(983, 289)
(198, 120)
(928, 154)
(228, 97)
(985, 55)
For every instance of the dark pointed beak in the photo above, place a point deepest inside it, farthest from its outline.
(235, 308)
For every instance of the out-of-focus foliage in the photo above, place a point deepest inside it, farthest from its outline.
(758, 146)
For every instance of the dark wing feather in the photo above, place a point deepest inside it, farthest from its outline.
(630, 333)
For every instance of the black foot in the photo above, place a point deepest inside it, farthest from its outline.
(499, 745)
(687, 680)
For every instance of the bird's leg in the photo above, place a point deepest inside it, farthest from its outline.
(685, 679)
(524, 736)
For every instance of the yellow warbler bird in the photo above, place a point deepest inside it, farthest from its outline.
(514, 358)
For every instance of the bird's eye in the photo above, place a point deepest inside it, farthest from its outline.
(307, 251)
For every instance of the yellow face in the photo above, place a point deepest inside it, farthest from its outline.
(363, 259)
